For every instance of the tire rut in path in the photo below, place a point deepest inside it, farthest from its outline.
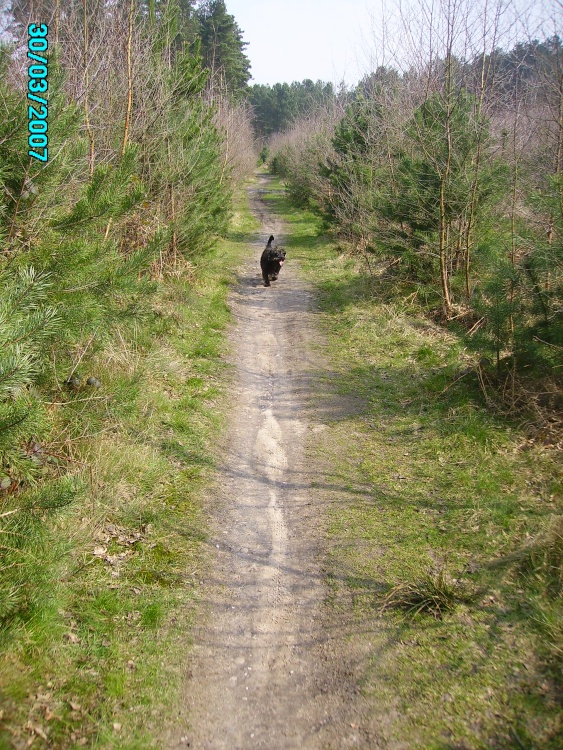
(261, 674)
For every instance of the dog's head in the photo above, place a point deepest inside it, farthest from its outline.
(278, 254)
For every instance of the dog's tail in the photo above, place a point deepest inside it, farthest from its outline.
(270, 241)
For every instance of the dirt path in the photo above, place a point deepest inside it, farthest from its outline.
(264, 673)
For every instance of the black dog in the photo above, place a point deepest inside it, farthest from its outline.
(271, 261)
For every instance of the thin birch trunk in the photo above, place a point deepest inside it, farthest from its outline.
(129, 79)
(91, 153)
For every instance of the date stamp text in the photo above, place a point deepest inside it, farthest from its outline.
(38, 84)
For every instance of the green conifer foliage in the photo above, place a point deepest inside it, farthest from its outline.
(543, 268)
(356, 173)
(77, 271)
(181, 164)
(196, 172)
(32, 192)
(279, 106)
(222, 45)
(96, 282)
(27, 324)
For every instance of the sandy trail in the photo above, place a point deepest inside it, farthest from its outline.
(262, 674)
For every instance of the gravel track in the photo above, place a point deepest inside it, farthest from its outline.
(267, 670)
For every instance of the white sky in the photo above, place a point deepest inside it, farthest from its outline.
(290, 40)
(332, 40)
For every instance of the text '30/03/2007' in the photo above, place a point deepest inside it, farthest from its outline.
(38, 84)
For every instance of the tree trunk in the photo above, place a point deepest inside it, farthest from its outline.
(447, 302)
(129, 80)
(86, 87)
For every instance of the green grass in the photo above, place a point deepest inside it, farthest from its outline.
(443, 543)
(99, 658)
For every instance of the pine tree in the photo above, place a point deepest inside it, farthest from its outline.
(222, 46)
(27, 324)
(281, 105)
(175, 20)
(437, 181)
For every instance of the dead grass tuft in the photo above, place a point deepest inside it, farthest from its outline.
(434, 593)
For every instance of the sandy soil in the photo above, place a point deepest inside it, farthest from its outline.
(268, 670)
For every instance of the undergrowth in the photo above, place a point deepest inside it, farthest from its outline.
(444, 540)
(103, 565)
